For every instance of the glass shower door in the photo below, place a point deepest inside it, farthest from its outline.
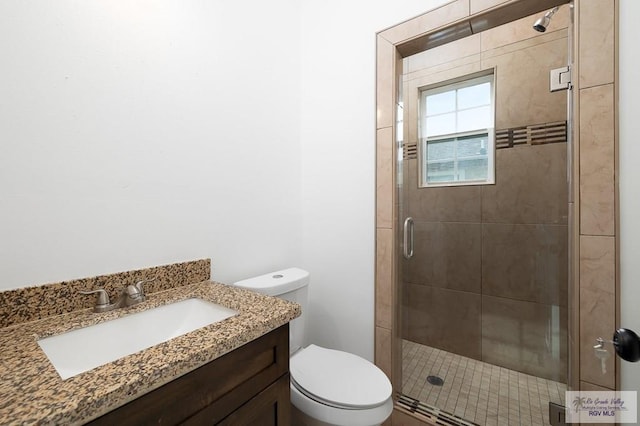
(483, 273)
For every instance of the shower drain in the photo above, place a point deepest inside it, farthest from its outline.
(435, 380)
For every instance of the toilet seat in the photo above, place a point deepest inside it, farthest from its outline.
(339, 379)
(328, 415)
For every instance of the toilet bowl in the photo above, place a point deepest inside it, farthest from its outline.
(328, 387)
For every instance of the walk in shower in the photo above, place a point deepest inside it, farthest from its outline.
(483, 212)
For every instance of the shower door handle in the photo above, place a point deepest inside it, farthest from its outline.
(407, 240)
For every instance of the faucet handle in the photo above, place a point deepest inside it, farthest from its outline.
(133, 293)
(139, 285)
(102, 299)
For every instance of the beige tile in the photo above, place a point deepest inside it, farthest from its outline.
(384, 178)
(526, 43)
(446, 255)
(383, 350)
(385, 82)
(384, 277)
(443, 204)
(396, 357)
(441, 16)
(597, 42)
(455, 50)
(597, 159)
(524, 336)
(445, 319)
(410, 114)
(522, 85)
(597, 306)
(480, 5)
(520, 30)
(428, 70)
(531, 186)
(525, 262)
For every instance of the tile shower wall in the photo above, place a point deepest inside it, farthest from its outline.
(488, 279)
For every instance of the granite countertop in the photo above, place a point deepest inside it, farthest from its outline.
(32, 392)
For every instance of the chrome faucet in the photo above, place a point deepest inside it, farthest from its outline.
(129, 296)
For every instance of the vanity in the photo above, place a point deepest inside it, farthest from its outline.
(249, 386)
(234, 371)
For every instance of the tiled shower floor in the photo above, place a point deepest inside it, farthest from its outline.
(476, 391)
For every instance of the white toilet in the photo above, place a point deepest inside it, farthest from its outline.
(328, 387)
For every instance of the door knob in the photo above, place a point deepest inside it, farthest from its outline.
(627, 344)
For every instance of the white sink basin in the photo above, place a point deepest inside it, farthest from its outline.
(81, 350)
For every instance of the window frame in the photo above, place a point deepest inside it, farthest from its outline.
(481, 77)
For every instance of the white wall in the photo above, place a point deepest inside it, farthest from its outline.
(629, 180)
(338, 162)
(136, 132)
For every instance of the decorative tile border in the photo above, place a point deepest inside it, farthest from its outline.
(37, 302)
(533, 134)
(409, 150)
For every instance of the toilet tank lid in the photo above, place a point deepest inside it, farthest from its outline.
(277, 282)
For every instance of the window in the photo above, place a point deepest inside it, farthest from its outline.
(456, 133)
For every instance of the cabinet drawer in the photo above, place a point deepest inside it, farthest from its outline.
(233, 378)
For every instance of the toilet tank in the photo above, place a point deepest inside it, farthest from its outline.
(290, 284)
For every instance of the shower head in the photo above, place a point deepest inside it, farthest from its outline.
(542, 23)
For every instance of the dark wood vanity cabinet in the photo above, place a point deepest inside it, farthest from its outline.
(248, 386)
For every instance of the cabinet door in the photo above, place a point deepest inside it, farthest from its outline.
(270, 407)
